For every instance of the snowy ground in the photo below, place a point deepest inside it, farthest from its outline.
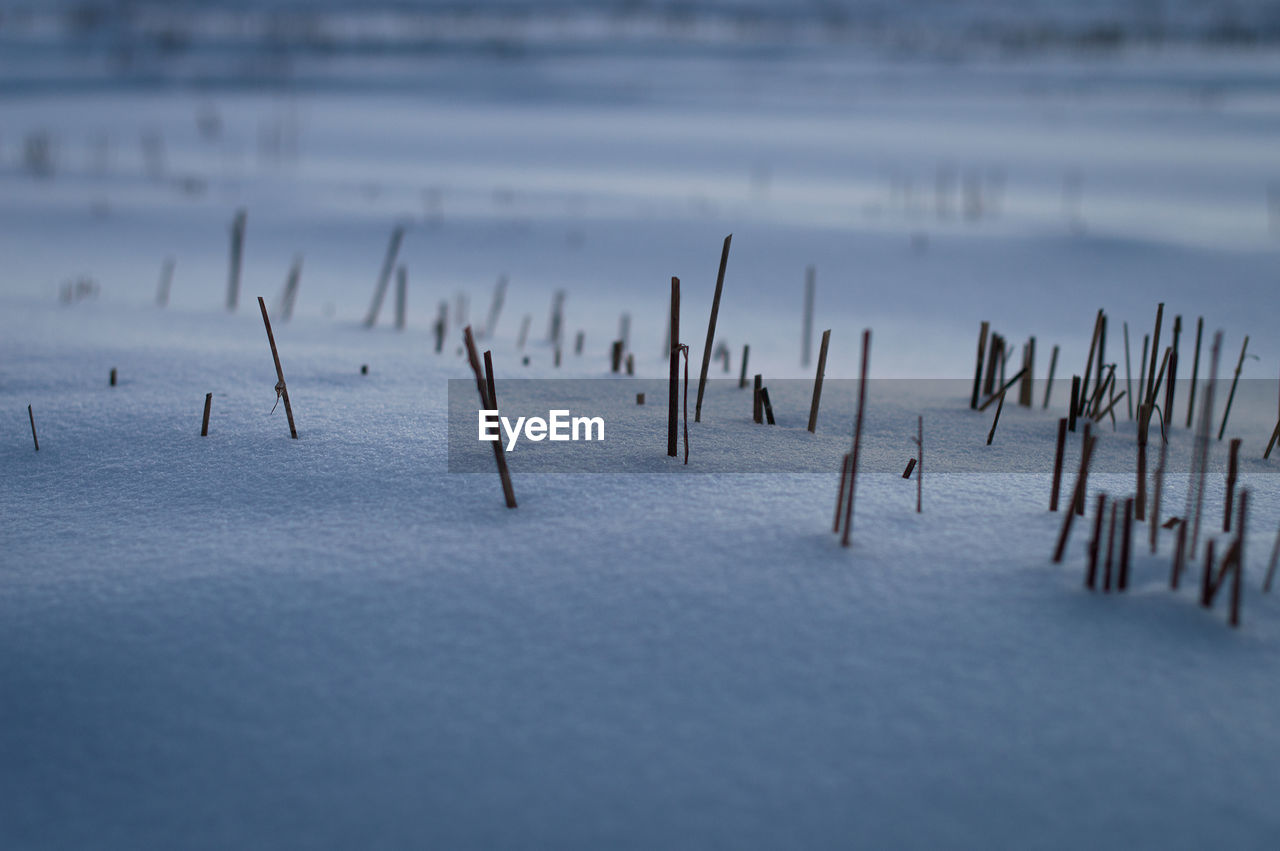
(247, 641)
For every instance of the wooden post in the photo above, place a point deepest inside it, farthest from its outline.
(166, 280)
(384, 276)
(1126, 546)
(1058, 453)
(1095, 543)
(281, 388)
(742, 378)
(1075, 398)
(237, 252)
(1195, 370)
(402, 296)
(806, 332)
(768, 407)
(757, 407)
(1234, 381)
(1233, 470)
(977, 373)
(996, 421)
(844, 478)
(817, 380)
(495, 305)
(857, 436)
(673, 384)
(499, 453)
(1077, 494)
(1048, 385)
(32, 417)
(204, 425)
(489, 385)
(711, 328)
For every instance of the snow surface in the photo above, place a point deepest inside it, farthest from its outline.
(243, 640)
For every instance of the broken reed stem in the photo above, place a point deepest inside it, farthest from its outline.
(31, 415)
(1075, 395)
(1206, 576)
(1195, 370)
(1158, 495)
(1026, 388)
(615, 357)
(1179, 556)
(499, 454)
(920, 456)
(817, 380)
(1275, 435)
(1155, 347)
(711, 327)
(806, 332)
(911, 466)
(1128, 370)
(996, 421)
(1111, 548)
(1048, 385)
(1088, 368)
(1144, 422)
(578, 342)
(384, 276)
(1003, 389)
(1058, 453)
(282, 388)
(402, 296)
(1234, 381)
(556, 324)
(489, 385)
(844, 477)
(111, 377)
(166, 280)
(1173, 369)
(1142, 369)
(237, 253)
(1200, 457)
(1233, 471)
(524, 331)
(204, 424)
(1095, 543)
(290, 294)
(1077, 496)
(757, 407)
(742, 379)
(631, 363)
(977, 373)
(1084, 485)
(1238, 579)
(993, 362)
(1110, 409)
(768, 406)
(673, 382)
(441, 324)
(1126, 545)
(1271, 568)
(495, 306)
(857, 435)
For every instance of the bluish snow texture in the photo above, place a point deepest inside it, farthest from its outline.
(244, 641)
